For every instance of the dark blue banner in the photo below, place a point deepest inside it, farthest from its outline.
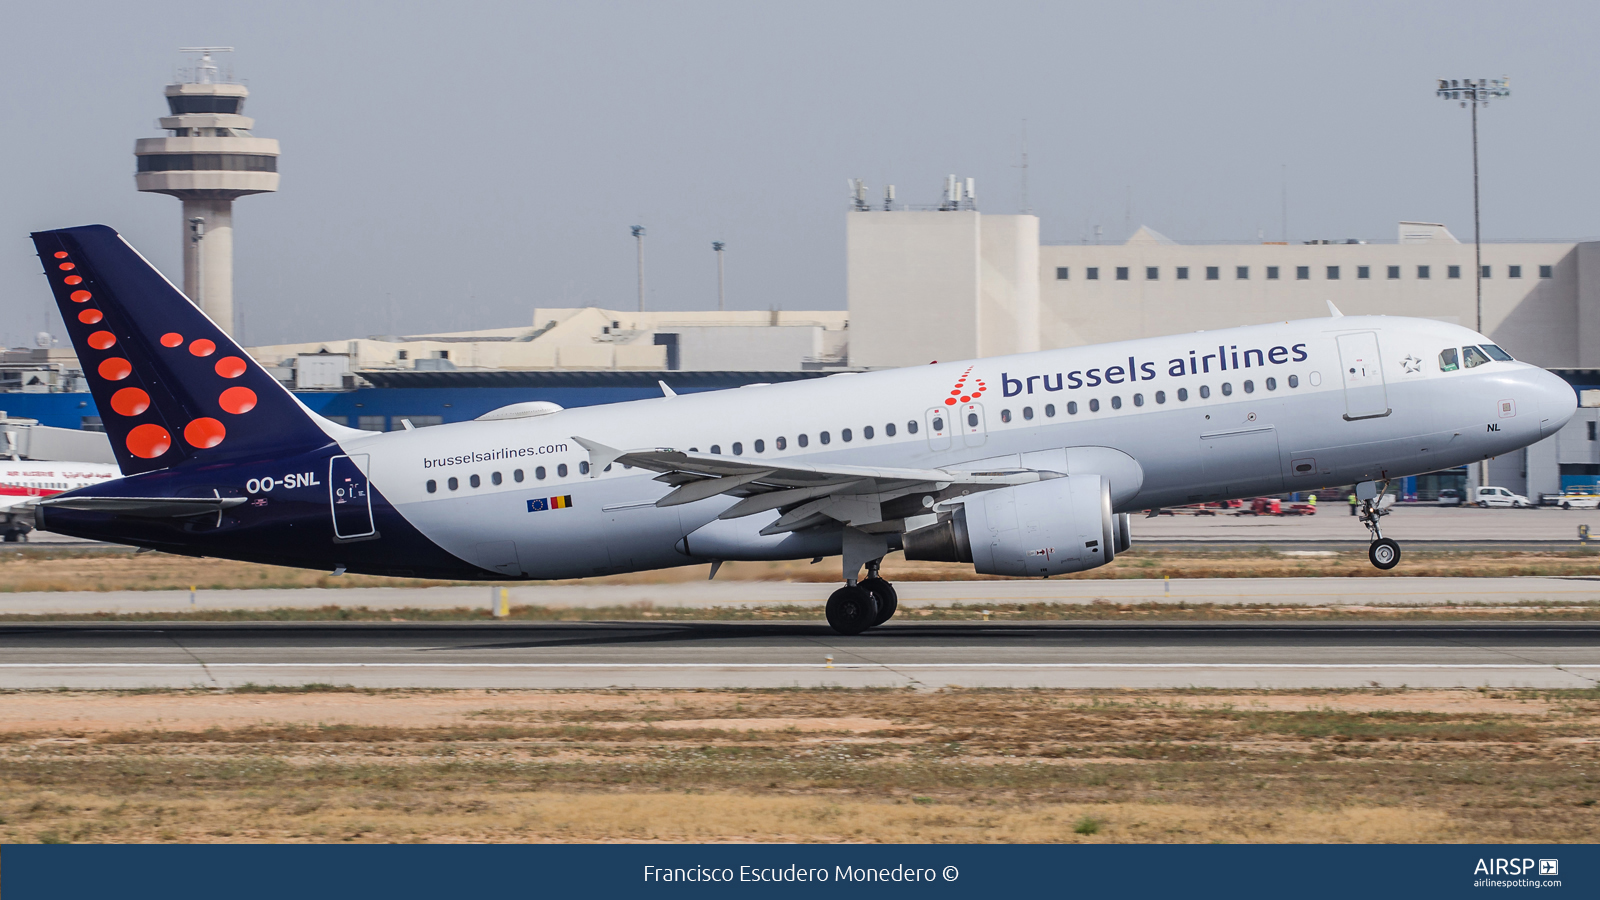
(399, 872)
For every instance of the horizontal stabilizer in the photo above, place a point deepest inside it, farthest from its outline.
(146, 507)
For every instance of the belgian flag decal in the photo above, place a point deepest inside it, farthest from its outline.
(543, 503)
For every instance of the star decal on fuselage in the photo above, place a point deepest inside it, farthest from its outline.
(1411, 364)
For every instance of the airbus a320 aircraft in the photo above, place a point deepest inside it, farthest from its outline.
(1024, 465)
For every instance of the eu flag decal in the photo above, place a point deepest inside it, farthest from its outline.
(543, 503)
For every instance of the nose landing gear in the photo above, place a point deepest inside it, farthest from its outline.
(1383, 552)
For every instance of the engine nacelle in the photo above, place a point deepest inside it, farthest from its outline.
(1046, 528)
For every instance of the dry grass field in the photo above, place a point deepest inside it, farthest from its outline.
(804, 765)
(42, 569)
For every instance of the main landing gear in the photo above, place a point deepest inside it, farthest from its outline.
(1383, 552)
(869, 602)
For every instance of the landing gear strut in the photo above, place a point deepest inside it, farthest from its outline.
(854, 608)
(1383, 552)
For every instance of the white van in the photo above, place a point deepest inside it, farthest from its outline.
(1499, 496)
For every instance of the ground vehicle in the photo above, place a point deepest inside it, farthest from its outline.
(1573, 498)
(1487, 496)
(1449, 497)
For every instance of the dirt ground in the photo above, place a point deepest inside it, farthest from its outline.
(326, 764)
(42, 569)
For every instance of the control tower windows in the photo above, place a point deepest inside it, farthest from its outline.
(185, 104)
(209, 162)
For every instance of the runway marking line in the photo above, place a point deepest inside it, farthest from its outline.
(796, 666)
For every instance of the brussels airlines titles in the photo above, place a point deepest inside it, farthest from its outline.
(1225, 359)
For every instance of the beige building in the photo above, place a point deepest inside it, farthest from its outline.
(592, 339)
(929, 285)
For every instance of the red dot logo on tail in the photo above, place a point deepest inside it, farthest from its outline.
(73, 279)
(115, 369)
(67, 267)
(237, 400)
(90, 316)
(230, 367)
(171, 339)
(960, 392)
(81, 296)
(130, 401)
(202, 347)
(61, 254)
(102, 340)
(204, 433)
(149, 441)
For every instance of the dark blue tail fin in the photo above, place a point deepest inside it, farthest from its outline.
(171, 387)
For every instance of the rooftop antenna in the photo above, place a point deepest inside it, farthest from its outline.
(858, 195)
(971, 195)
(888, 197)
(205, 71)
(1026, 209)
(952, 195)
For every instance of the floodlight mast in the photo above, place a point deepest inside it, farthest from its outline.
(638, 236)
(1472, 92)
(719, 246)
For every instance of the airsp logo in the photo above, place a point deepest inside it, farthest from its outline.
(1549, 867)
(1502, 866)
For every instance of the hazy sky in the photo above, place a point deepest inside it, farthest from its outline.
(453, 165)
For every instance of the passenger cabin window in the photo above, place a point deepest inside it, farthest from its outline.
(1472, 357)
(716, 449)
(1205, 391)
(1496, 353)
(1183, 394)
(452, 484)
(1094, 405)
(475, 481)
(1294, 381)
(938, 423)
(561, 470)
(972, 420)
(867, 432)
(911, 426)
(1116, 402)
(1227, 389)
(539, 473)
(845, 435)
(1049, 410)
(1249, 386)
(824, 437)
(888, 430)
(1072, 407)
(804, 440)
(583, 467)
(496, 478)
(1027, 412)
(1161, 397)
(1272, 384)
(432, 486)
(738, 448)
(761, 446)
(781, 443)
(1005, 415)
(516, 475)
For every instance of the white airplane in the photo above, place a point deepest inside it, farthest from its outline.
(1025, 465)
(24, 482)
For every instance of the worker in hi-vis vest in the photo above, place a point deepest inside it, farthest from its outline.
(1353, 504)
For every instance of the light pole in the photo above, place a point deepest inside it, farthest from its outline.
(638, 235)
(719, 246)
(1470, 93)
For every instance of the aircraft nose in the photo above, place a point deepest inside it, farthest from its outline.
(1558, 401)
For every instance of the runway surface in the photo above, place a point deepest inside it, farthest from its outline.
(767, 655)
(700, 594)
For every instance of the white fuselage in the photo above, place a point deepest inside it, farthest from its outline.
(1207, 416)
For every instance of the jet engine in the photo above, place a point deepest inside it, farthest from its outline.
(1046, 528)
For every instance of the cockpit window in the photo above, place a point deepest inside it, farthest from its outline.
(1496, 353)
(1448, 361)
(1472, 356)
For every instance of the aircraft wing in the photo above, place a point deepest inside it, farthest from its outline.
(808, 494)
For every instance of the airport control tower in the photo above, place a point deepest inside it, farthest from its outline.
(208, 158)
